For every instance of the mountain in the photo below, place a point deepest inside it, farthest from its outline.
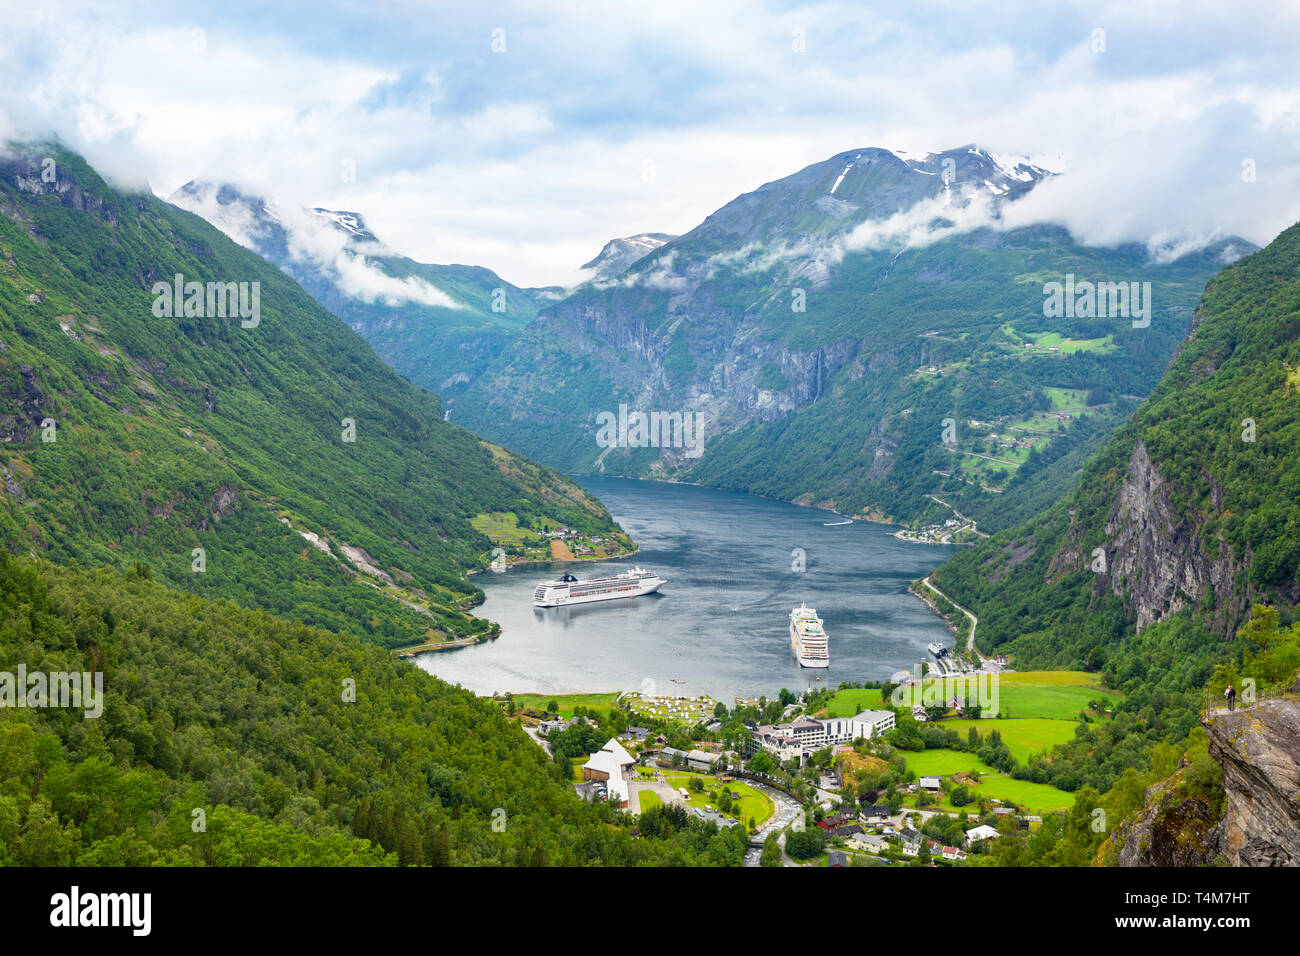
(266, 455)
(1191, 512)
(826, 329)
(618, 254)
(1173, 571)
(436, 324)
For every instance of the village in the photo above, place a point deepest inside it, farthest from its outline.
(842, 777)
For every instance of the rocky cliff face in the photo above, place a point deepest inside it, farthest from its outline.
(1258, 749)
(1156, 559)
(1177, 828)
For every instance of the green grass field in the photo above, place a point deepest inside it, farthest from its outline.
(753, 805)
(1063, 398)
(649, 799)
(599, 702)
(1024, 736)
(1049, 694)
(846, 703)
(943, 763)
(1055, 695)
(1069, 346)
(501, 527)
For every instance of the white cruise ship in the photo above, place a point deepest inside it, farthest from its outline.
(808, 638)
(570, 590)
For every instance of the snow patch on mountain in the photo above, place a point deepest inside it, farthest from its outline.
(844, 173)
(618, 255)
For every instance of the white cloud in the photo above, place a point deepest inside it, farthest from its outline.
(528, 161)
(315, 239)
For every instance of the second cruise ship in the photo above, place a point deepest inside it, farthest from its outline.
(808, 637)
(570, 590)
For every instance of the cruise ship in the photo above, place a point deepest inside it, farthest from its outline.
(570, 590)
(808, 638)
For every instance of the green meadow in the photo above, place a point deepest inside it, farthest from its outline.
(1024, 736)
(992, 784)
(566, 702)
(753, 805)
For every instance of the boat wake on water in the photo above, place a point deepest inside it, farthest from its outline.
(724, 594)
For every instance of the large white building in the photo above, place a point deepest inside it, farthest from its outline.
(609, 764)
(806, 734)
(868, 724)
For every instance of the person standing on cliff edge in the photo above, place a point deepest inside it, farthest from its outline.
(1231, 694)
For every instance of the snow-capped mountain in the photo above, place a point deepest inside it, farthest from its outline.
(437, 324)
(618, 255)
(824, 323)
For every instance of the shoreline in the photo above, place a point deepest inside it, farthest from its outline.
(870, 518)
(553, 560)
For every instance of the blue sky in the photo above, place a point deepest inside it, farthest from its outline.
(600, 120)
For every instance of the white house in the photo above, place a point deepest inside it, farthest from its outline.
(869, 842)
(981, 832)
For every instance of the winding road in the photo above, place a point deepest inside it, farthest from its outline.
(974, 621)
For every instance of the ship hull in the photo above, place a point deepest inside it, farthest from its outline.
(564, 596)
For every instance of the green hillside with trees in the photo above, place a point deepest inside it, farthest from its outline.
(1225, 500)
(274, 460)
(231, 737)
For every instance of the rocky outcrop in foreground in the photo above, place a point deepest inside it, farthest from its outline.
(1258, 749)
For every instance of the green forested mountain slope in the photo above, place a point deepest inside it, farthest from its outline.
(1156, 573)
(243, 716)
(179, 433)
(826, 324)
(1194, 503)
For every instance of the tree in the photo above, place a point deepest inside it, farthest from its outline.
(805, 844)
(762, 762)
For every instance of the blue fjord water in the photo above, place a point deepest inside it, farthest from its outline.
(720, 625)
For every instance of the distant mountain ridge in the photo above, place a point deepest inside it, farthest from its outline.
(438, 325)
(618, 254)
(824, 325)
